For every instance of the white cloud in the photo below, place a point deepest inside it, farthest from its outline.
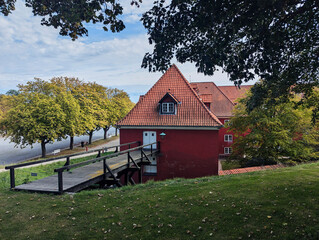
(131, 18)
(29, 50)
(132, 9)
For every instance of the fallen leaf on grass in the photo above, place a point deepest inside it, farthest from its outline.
(136, 225)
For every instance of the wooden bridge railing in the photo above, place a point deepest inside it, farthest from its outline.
(67, 157)
(105, 165)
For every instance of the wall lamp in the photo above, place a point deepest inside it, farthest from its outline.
(162, 135)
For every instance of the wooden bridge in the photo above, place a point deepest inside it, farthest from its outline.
(104, 170)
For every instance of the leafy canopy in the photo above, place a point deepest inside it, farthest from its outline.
(274, 39)
(35, 117)
(43, 111)
(70, 15)
(282, 132)
(120, 105)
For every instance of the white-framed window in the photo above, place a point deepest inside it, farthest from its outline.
(228, 150)
(226, 121)
(168, 108)
(151, 169)
(228, 138)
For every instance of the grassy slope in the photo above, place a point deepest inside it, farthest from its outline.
(279, 204)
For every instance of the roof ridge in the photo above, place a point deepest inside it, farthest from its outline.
(197, 97)
(138, 103)
(223, 94)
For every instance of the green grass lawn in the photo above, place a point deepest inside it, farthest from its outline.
(278, 204)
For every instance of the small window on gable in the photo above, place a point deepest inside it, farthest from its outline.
(168, 104)
(168, 108)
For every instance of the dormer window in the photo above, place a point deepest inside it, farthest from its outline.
(168, 108)
(168, 104)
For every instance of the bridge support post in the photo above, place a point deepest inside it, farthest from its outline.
(67, 163)
(104, 169)
(128, 166)
(12, 180)
(60, 181)
(140, 175)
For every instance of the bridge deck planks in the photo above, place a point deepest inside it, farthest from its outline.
(79, 178)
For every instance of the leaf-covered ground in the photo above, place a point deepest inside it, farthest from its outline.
(278, 204)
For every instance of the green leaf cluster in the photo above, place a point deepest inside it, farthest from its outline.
(120, 105)
(276, 40)
(45, 111)
(70, 16)
(35, 117)
(5, 103)
(274, 133)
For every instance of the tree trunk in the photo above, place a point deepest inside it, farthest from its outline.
(90, 137)
(115, 131)
(105, 132)
(71, 142)
(44, 151)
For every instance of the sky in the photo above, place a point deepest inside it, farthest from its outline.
(29, 50)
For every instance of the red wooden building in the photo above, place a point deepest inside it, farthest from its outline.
(221, 101)
(187, 120)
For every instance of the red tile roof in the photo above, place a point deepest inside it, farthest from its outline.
(206, 98)
(190, 112)
(170, 96)
(233, 92)
(220, 104)
(221, 98)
